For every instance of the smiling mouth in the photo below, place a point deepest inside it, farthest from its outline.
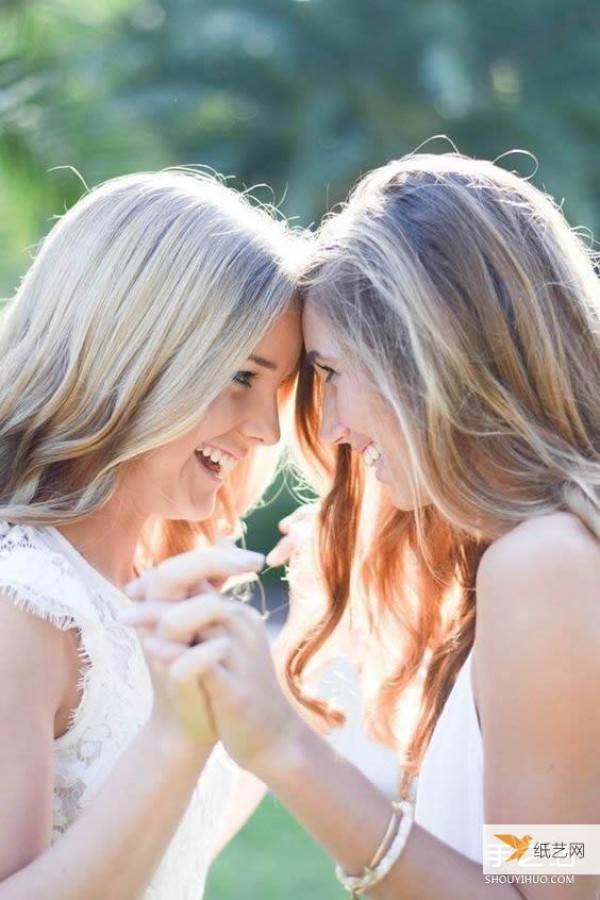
(215, 461)
(213, 468)
(371, 454)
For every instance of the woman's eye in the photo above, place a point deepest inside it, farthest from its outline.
(328, 371)
(244, 378)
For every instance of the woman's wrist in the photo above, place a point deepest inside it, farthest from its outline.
(176, 745)
(287, 755)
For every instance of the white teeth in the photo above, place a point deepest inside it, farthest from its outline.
(218, 456)
(371, 454)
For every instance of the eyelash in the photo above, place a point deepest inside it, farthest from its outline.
(330, 372)
(244, 378)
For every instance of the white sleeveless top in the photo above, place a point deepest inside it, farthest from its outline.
(449, 789)
(44, 575)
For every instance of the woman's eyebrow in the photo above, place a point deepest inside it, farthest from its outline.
(265, 363)
(313, 356)
(268, 364)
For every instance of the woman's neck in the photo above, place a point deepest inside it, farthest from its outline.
(107, 539)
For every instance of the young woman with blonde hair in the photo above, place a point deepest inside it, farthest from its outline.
(144, 366)
(452, 320)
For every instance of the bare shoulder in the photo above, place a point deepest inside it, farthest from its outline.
(539, 585)
(554, 550)
(537, 667)
(36, 658)
(542, 538)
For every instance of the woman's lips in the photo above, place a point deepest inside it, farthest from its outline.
(215, 475)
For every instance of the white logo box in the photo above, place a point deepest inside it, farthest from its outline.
(551, 849)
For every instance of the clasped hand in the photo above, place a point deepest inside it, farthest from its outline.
(210, 657)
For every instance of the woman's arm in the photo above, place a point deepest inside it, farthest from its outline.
(113, 848)
(538, 664)
(115, 845)
(248, 796)
(111, 851)
(538, 655)
(346, 814)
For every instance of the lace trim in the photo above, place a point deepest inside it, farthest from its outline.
(34, 603)
(49, 581)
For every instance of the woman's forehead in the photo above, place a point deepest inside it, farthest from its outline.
(282, 344)
(318, 336)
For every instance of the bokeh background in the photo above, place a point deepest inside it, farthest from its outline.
(300, 96)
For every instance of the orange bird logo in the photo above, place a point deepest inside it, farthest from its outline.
(519, 845)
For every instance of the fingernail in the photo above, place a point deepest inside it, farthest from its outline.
(252, 558)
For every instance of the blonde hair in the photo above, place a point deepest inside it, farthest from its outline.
(143, 301)
(466, 302)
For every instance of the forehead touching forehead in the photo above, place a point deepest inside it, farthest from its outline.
(319, 338)
(280, 348)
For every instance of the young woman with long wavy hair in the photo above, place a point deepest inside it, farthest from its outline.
(145, 364)
(452, 331)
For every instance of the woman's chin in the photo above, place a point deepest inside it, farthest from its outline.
(401, 497)
(197, 509)
(204, 509)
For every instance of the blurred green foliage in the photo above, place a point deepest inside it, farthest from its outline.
(273, 858)
(300, 94)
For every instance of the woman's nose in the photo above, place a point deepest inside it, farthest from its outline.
(264, 425)
(331, 431)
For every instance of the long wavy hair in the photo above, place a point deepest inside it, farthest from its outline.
(465, 301)
(143, 301)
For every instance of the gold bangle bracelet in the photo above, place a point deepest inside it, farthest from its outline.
(387, 839)
(357, 885)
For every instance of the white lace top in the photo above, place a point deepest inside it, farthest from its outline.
(44, 574)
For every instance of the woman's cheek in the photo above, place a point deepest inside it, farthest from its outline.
(226, 410)
(344, 403)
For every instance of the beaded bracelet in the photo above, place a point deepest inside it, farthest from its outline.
(355, 885)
